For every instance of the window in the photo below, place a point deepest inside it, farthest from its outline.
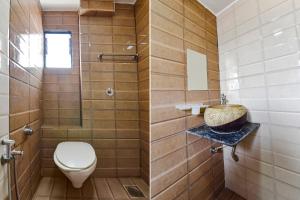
(58, 52)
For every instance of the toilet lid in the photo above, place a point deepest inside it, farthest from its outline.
(75, 155)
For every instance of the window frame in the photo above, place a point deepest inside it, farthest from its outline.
(70, 47)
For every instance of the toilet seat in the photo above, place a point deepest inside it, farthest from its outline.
(74, 156)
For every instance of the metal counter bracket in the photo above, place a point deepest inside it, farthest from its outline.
(219, 149)
(233, 154)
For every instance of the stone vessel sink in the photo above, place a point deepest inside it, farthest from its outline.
(225, 118)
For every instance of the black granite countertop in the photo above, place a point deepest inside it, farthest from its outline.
(230, 139)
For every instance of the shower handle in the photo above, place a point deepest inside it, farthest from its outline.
(27, 130)
(109, 92)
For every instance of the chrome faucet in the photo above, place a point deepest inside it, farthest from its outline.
(6, 157)
(223, 99)
(9, 154)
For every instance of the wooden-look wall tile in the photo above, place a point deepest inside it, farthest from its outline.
(175, 170)
(167, 67)
(167, 145)
(166, 11)
(175, 191)
(164, 129)
(178, 26)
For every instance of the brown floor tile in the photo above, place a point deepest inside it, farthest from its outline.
(117, 189)
(103, 189)
(227, 194)
(41, 198)
(73, 192)
(88, 189)
(45, 186)
(60, 188)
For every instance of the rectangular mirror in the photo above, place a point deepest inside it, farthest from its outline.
(196, 70)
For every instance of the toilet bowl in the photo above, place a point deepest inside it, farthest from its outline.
(77, 160)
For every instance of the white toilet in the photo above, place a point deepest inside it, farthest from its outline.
(77, 160)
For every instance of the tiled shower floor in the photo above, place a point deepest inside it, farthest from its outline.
(93, 189)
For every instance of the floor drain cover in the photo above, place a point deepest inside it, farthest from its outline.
(134, 191)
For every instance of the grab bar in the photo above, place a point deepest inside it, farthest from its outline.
(135, 56)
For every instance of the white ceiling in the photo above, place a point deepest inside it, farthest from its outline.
(69, 5)
(126, 1)
(216, 6)
(60, 5)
